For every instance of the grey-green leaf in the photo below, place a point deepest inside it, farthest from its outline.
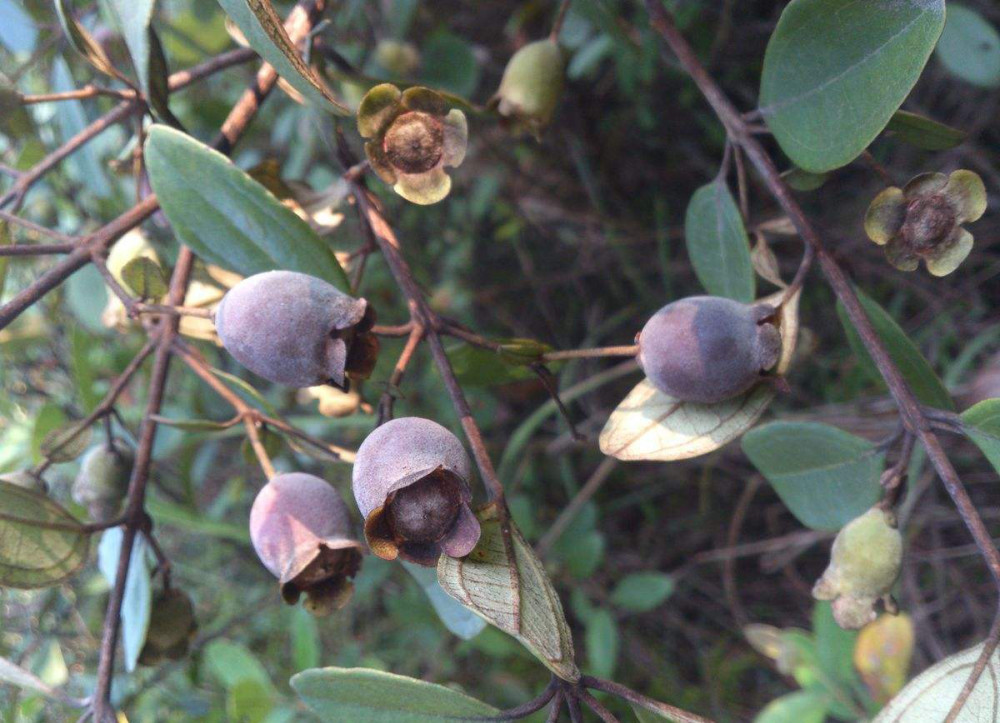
(82, 41)
(373, 696)
(138, 598)
(915, 369)
(922, 132)
(455, 616)
(970, 47)
(717, 243)
(836, 70)
(134, 18)
(66, 443)
(982, 426)
(602, 644)
(825, 476)
(504, 583)
(265, 33)
(40, 542)
(145, 278)
(226, 217)
(641, 592)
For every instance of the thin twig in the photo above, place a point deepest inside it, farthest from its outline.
(607, 351)
(595, 705)
(589, 489)
(630, 696)
(388, 398)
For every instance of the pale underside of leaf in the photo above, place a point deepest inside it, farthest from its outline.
(650, 425)
(503, 582)
(930, 695)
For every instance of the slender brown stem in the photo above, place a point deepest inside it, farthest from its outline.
(32, 226)
(388, 398)
(589, 489)
(909, 407)
(88, 91)
(630, 696)
(526, 709)
(595, 705)
(556, 708)
(142, 308)
(36, 249)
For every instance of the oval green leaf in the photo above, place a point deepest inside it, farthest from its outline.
(982, 425)
(836, 70)
(266, 34)
(803, 706)
(504, 583)
(66, 443)
(930, 695)
(717, 243)
(922, 132)
(456, 617)
(40, 542)
(825, 476)
(373, 696)
(970, 47)
(145, 278)
(650, 425)
(915, 369)
(602, 644)
(226, 217)
(641, 592)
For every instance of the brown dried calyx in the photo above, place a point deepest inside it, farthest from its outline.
(301, 530)
(410, 482)
(929, 222)
(414, 142)
(172, 625)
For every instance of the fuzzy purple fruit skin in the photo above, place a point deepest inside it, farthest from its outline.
(707, 349)
(292, 517)
(400, 469)
(282, 325)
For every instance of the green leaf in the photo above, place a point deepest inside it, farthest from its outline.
(804, 706)
(144, 278)
(825, 476)
(836, 70)
(40, 542)
(305, 637)
(449, 64)
(982, 425)
(168, 513)
(455, 616)
(834, 646)
(641, 592)
(801, 180)
(226, 217)
(134, 18)
(507, 586)
(82, 41)
(602, 644)
(930, 695)
(970, 47)
(360, 694)
(231, 664)
(137, 603)
(923, 132)
(904, 353)
(66, 443)
(717, 243)
(650, 425)
(248, 702)
(266, 34)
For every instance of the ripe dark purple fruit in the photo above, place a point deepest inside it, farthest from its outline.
(707, 349)
(295, 329)
(411, 483)
(301, 530)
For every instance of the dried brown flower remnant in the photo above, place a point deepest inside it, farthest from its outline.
(298, 330)
(707, 348)
(411, 484)
(172, 625)
(301, 530)
(414, 136)
(923, 220)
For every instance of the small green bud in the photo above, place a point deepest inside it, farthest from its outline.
(102, 482)
(532, 84)
(864, 564)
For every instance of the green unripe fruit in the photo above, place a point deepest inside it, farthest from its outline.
(102, 482)
(707, 349)
(25, 478)
(532, 84)
(864, 564)
(172, 625)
